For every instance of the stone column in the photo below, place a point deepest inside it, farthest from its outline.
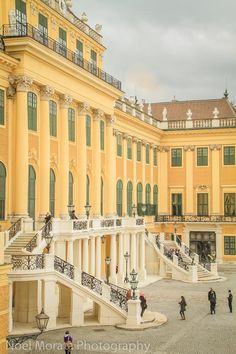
(110, 190)
(97, 116)
(142, 270)
(10, 315)
(219, 244)
(127, 249)
(124, 197)
(163, 192)
(137, 252)
(133, 251)
(98, 257)
(50, 305)
(20, 208)
(76, 310)
(151, 170)
(85, 255)
(64, 155)
(112, 278)
(189, 197)
(46, 93)
(92, 256)
(134, 152)
(120, 275)
(70, 252)
(79, 254)
(39, 296)
(215, 170)
(84, 110)
(144, 143)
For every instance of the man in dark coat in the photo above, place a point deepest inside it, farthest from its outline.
(212, 299)
(230, 300)
(143, 303)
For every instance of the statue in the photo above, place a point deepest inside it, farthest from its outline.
(98, 28)
(189, 114)
(164, 114)
(215, 113)
(149, 109)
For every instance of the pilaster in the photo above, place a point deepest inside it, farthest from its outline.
(189, 151)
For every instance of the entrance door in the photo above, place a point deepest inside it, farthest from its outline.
(31, 192)
(203, 243)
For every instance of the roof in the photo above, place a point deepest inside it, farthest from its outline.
(197, 109)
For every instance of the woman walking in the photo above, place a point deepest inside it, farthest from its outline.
(183, 305)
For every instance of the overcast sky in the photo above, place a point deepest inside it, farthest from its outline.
(165, 48)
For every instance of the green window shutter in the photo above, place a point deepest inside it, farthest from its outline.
(155, 156)
(43, 21)
(2, 190)
(119, 190)
(101, 209)
(230, 204)
(32, 111)
(2, 107)
(202, 156)
(79, 47)
(147, 153)
(155, 198)
(93, 57)
(119, 144)
(53, 118)
(229, 155)
(139, 145)
(71, 124)
(129, 198)
(202, 204)
(229, 245)
(87, 190)
(102, 135)
(176, 157)
(52, 192)
(129, 149)
(21, 6)
(176, 204)
(70, 194)
(139, 198)
(148, 194)
(88, 131)
(62, 34)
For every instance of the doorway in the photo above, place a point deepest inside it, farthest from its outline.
(203, 243)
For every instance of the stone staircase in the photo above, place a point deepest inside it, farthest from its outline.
(19, 243)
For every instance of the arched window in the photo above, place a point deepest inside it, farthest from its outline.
(119, 190)
(88, 131)
(52, 192)
(148, 194)
(129, 149)
(87, 190)
(3, 175)
(129, 198)
(147, 153)
(155, 198)
(71, 183)
(53, 118)
(71, 124)
(102, 134)
(139, 149)
(139, 198)
(32, 111)
(31, 192)
(101, 211)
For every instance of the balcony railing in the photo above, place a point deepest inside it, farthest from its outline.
(196, 218)
(27, 30)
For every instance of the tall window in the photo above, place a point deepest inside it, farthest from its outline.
(102, 196)
(129, 149)
(139, 198)
(52, 192)
(155, 156)
(62, 42)
(79, 53)
(229, 155)
(2, 107)
(129, 198)
(177, 204)
(119, 190)
(71, 184)
(71, 124)
(43, 28)
(119, 144)
(93, 58)
(87, 190)
(202, 204)
(31, 192)
(88, 131)
(139, 148)
(147, 153)
(148, 194)
(21, 16)
(32, 111)
(176, 157)
(229, 245)
(155, 198)
(53, 118)
(230, 204)
(202, 156)
(102, 125)
(3, 175)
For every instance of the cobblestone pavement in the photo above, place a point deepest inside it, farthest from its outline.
(201, 333)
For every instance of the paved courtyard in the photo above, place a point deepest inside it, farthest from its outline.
(201, 333)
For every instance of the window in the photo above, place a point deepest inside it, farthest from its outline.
(139, 198)
(21, 17)
(2, 105)
(3, 175)
(62, 42)
(229, 245)
(230, 204)
(71, 124)
(32, 111)
(53, 118)
(88, 131)
(155, 198)
(87, 190)
(119, 144)
(155, 156)
(119, 190)
(148, 194)
(176, 204)
(129, 149)
(202, 156)
(79, 53)
(31, 192)
(147, 153)
(176, 157)
(229, 155)
(139, 149)
(70, 194)
(202, 204)
(129, 198)
(43, 29)
(102, 125)
(93, 57)
(52, 192)
(102, 188)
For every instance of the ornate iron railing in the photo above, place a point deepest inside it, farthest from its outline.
(183, 264)
(158, 242)
(118, 222)
(139, 221)
(28, 262)
(64, 267)
(44, 231)
(168, 253)
(27, 30)
(32, 244)
(90, 224)
(196, 218)
(15, 228)
(119, 296)
(80, 225)
(92, 283)
(107, 223)
(206, 265)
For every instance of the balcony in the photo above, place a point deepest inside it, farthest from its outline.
(26, 30)
(196, 219)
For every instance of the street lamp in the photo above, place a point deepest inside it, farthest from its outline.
(126, 255)
(87, 210)
(70, 207)
(108, 261)
(144, 208)
(134, 283)
(48, 239)
(134, 210)
(42, 322)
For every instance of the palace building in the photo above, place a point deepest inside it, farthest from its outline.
(69, 139)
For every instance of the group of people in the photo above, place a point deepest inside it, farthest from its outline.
(174, 251)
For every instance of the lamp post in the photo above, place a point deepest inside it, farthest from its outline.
(144, 208)
(70, 207)
(87, 210)
(48, 239)
(42, 322)
(126, 255)
(134, 210)
(108, 261)
(134, 283)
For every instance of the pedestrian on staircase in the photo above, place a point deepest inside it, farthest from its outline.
(182, 305)
(47, 218)
(230, 300)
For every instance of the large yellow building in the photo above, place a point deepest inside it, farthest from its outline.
(69, 137)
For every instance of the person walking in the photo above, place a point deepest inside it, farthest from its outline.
(143, 303)
(230, 300)
(212, 299)
(68, 341)
(183, 305)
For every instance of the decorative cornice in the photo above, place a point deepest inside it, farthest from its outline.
(21, 82)
(65, 101)
(46, 92)
(111, 120)
(163, 148)
(84, 108)
(134, 139)
(11, 91)
(125, 136)
(215, 147)
(144, 143)
(189, 148)
(97, 114)
(115, 132)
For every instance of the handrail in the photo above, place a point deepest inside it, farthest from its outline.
(118, 296)
(45, 229)
(14, 228)
(91, 282)
(28, 262)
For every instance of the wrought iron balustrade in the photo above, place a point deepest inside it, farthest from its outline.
(15, 228)
(64, 267)
(118, 296)
(43, 232)
(168, 253)
(158, 242)
(139, 221)
(183, 264)
(27, 30)
(80, 225)
(28, 262)
(196, 218)
(92, 283)
(118, 222)
(106, 223)
(32, 244)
